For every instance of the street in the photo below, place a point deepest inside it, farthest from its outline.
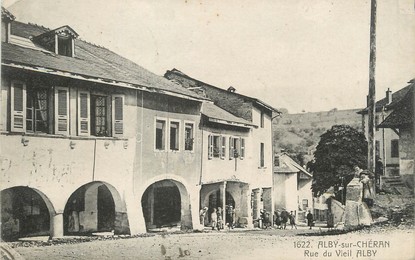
(237, 244)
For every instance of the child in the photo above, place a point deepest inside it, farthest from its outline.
(214, 219)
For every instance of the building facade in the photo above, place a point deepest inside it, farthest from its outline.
(91, 141)
(257, 165)
(386, 140)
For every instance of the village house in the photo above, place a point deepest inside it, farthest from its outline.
(91, 141)
(386, 140)
(292, 186)
(401, 121)
(250, 167)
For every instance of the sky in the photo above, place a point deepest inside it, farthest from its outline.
(302, 55)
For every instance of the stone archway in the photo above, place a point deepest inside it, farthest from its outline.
(95, 207)
(25, 212)
(166, 203)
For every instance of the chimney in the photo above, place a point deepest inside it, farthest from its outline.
(388, 96)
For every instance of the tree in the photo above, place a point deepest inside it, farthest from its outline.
(339, 150)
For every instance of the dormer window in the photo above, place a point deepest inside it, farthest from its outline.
(6, 19)
(60, 41)
(65, 46)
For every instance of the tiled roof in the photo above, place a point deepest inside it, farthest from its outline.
(403, 113)
(398, 95)
(222, 116)
(252, 99)
(90, 61)
(288, 165)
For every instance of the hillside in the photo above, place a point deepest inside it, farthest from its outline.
(299, 134)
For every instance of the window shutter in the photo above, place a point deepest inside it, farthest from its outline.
(210, 147)
(230, 148)
(222, 147)
(242, 152)
(118, 115)
(62, 110)
(84, 124)
(18, 106)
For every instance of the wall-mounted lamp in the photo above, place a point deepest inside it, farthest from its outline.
(106, 144)
(25, 141)
(125, 145)
(72, 144)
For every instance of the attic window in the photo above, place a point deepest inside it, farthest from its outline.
(65, 46)
(60, 41)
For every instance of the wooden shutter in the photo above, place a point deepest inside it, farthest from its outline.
(231, 151)
(118, 115)
(18, 106)
(210, 147)
(222, 147)
(61, 110)
(84, 118)
(242, 152)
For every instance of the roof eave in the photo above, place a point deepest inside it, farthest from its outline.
(97, 80)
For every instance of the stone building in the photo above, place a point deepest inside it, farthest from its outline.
(91, 141)
(256, 138)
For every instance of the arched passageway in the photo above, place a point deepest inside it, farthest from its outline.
(166, 204)
(95, 207)
(24, 212)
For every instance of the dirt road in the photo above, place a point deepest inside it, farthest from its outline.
(272, 244)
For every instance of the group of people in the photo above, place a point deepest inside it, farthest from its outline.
(282, 217)
(216, 217)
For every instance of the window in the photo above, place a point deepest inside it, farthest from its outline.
(37, 110)
(395, 148)
(65, 46)
(262, 119)
(31, 109)
(305, 203)
(216, 146)
(160, 134)
(234, 147)
(261, 155)
(174, 136)
(188, 137)
(99, 116)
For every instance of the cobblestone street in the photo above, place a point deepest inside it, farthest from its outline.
(266, 244)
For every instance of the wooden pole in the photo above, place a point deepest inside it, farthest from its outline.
(372, 88)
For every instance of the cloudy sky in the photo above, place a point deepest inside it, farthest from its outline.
(303, 55)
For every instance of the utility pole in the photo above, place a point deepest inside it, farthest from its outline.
(372, 88)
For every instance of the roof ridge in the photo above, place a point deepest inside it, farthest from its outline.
(37, 25)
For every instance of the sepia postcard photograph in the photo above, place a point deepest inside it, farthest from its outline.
(195, 129)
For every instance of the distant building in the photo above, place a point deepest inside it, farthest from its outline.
(292, 186)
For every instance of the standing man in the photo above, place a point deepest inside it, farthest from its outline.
(310, 219)
(202, 214)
